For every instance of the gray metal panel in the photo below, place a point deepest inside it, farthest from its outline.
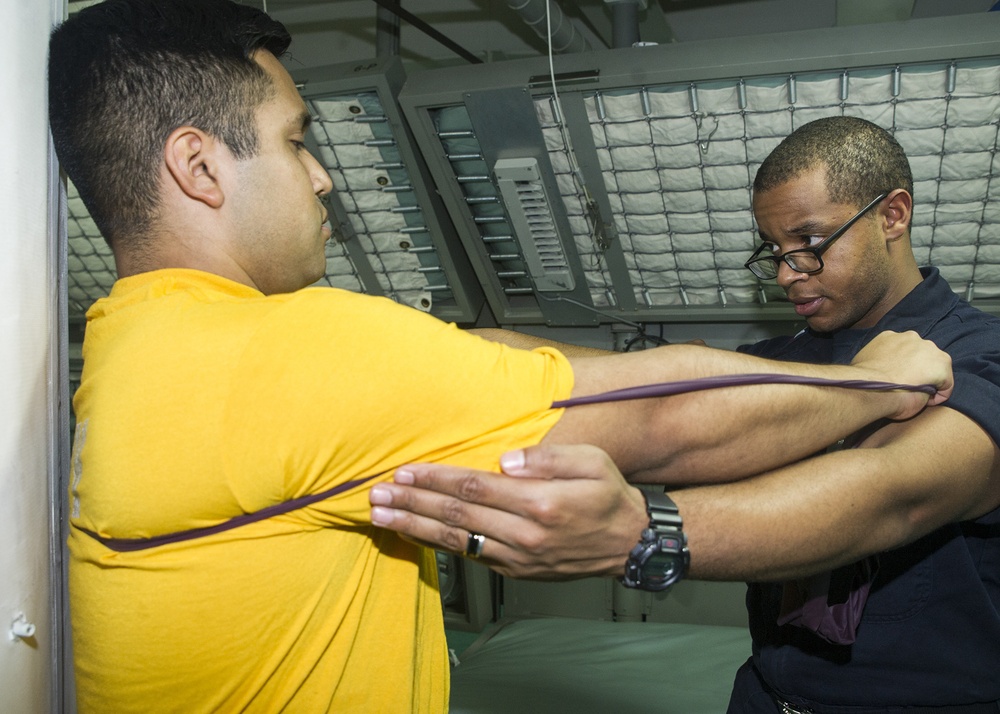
(507, 127)
(583, 139)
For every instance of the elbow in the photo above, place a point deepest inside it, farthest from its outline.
(904, 520)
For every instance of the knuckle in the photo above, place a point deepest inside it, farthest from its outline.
(542, 456)
(470, 487)
(533, 544)
(604, 458)
(545, 513)
(452, 540)
(518, 566)
(453, 513)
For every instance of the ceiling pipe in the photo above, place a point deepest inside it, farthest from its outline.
(625, 21)
(565, 37)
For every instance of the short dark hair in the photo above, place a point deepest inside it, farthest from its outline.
(124, 74)
(862, 159)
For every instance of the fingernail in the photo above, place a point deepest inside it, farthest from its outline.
(403, 476)
(512, 461)
(380, 495)
(381, 516)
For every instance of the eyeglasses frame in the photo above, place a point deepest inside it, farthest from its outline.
(816, 250)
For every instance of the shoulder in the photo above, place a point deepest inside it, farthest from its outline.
(972, 338)
(939, 314)
(322, 311)
(334, 324)
(968, 328)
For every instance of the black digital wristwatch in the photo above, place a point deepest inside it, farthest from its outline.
(661, 556)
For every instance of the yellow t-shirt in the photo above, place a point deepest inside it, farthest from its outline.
(200, 400)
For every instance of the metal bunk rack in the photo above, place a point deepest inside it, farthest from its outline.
(668, 139)
(393, 237)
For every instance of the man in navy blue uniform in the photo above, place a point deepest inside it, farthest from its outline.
(874, 571)
(926, 489)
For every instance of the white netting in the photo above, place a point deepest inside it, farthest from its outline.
(678, 163)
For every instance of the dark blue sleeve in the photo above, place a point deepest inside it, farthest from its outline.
(972, 338)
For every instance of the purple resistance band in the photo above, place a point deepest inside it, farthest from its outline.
(663, 389)
(129, 545)
(668, 389)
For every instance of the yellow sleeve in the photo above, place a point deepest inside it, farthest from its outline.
(338, 387)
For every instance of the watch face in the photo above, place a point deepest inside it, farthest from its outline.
(661, 569)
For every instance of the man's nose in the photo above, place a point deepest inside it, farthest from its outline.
(788, 275)
(322, 183)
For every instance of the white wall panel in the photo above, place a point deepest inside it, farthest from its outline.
(27, 386)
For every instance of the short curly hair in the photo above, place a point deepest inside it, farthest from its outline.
(861, 159)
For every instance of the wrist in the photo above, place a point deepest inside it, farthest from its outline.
(889, 404)
(660, 557)
(630, 529)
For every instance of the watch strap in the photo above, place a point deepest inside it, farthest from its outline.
(662, 511)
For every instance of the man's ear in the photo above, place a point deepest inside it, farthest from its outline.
(192, 158)
(897, 214)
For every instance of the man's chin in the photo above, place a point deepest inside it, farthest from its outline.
(815, 325)
(818, 324)
(318, 271)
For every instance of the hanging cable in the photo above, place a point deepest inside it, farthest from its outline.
(574, 166)
(642, 336)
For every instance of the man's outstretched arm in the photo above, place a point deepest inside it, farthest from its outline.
(725, 434)
(565, 511)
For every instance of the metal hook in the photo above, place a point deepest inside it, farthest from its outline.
(703, 143)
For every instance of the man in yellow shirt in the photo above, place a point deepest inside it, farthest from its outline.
(218, 389)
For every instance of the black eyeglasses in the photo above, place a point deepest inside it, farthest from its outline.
(802, 260)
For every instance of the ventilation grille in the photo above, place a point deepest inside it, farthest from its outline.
(530, 212)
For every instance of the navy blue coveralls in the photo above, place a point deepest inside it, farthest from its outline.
(930, 634)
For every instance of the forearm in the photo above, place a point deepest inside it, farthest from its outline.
(840, 507)
(720, 434)
(566, 511)
(777, 528)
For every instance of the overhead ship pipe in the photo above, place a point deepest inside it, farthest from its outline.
(625, 21)
(565, 38)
